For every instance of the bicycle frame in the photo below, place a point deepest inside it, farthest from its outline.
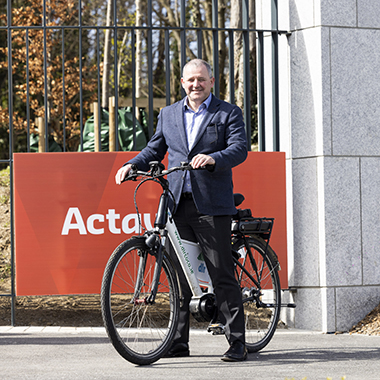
(187, 252)
(164, 226)
(184, 250)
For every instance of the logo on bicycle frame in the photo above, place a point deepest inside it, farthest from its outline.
(185, 255)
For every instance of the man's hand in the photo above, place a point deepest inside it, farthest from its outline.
(201, 160)
(122, 173)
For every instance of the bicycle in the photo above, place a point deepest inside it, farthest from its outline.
(141, 296)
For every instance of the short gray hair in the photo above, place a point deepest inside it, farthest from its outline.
(198, 62)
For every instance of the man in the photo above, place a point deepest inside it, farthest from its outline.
(203, 130)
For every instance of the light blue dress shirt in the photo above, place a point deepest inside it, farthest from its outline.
(193, 121)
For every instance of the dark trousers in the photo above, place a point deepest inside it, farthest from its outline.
(213, 233)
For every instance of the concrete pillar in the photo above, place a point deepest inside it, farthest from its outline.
(330, 130)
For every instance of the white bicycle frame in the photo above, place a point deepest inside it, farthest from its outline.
(190, 257)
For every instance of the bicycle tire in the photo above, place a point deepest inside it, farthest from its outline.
(140, 332)
(261, 300)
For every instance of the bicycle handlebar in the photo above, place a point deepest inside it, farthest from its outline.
(158, 170)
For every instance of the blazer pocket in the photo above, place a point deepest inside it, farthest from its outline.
(212, 133)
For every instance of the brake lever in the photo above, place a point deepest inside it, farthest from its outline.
(132, 174)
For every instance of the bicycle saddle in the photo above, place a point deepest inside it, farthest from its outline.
(238, 199)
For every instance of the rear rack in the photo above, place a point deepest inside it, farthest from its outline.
(253, 226)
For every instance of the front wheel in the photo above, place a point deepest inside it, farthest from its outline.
(140, 331)
(257, 273)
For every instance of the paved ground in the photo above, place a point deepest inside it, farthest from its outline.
(85, 353)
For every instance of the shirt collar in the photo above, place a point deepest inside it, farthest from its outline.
(205, 104)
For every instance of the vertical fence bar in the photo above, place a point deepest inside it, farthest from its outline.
(80, 76)
(116, 81)
(98, 116)
(150, 67)
(215, 40)
(133, 48)
(10, 107)
(167, 66)
(199, 43)
(246, 74)
(261, 91)
(231, 66)
(63, 93)
(275, 78)
(99, 85)
(27, 92)
(46, 88)
(183, 39)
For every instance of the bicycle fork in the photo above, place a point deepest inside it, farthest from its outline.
(155, 249)
(155, 244)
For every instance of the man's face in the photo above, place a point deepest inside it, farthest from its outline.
(197, 84)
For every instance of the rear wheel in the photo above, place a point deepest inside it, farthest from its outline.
(257, 274)
(140, 331)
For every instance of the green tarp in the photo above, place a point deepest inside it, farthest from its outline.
(53, 146)
(125, 131)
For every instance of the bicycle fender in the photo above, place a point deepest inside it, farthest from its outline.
(238, 241)
(139, 239)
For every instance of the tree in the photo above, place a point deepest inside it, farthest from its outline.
(62, 72)
(236, 22)
(129, 13)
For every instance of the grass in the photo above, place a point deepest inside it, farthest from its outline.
(4, 199)
(5, 178)
(5, 266)
(5, 272)
(5, 183)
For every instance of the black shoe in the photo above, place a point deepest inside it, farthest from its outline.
(178, 350)
(236, 353)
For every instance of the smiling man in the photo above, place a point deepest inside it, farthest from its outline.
(197, 82)
(203, 130)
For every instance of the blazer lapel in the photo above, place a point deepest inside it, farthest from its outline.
(210, 113)
(180, 124)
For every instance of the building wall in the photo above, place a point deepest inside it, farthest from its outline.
(330, 122)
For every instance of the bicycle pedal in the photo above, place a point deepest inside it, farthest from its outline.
(216, 329)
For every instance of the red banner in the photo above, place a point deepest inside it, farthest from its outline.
(70, 215)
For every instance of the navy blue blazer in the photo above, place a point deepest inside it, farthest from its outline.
(221, 135)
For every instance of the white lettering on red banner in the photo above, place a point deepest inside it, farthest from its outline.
(96, 223)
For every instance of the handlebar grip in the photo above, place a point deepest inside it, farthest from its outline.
(207, 167)
(187, 166)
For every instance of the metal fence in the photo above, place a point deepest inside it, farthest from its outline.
(193, 35)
